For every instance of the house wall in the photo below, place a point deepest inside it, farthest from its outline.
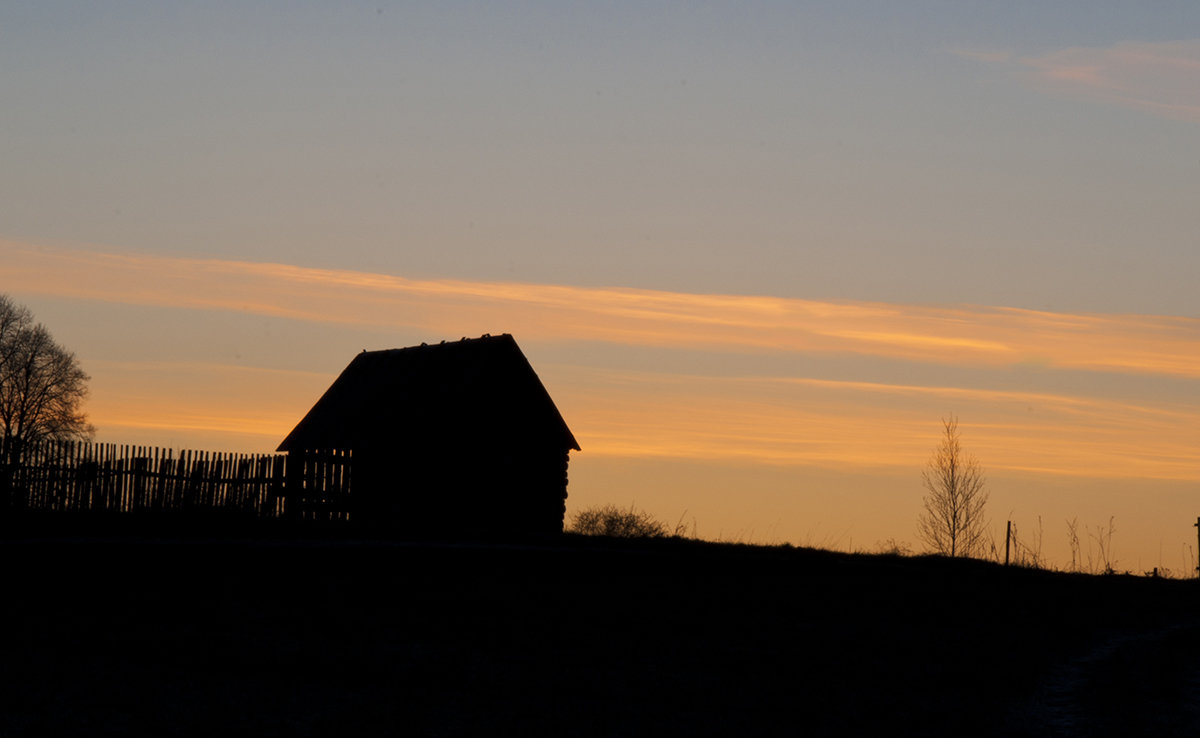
(494, 492)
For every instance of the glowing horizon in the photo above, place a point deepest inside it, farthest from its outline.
(684, 416)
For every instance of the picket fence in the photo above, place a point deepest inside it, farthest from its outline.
(106, 478)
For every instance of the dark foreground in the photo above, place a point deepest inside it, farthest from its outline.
(577, 637)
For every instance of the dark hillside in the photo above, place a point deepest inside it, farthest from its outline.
(578, 638)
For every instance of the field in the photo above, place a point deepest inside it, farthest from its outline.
(577, 636)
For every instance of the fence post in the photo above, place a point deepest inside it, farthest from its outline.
(1008, 539)
(1197, 526)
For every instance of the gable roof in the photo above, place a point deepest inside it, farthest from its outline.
(478, 391)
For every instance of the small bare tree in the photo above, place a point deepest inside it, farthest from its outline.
(42, 387)
(952, 522)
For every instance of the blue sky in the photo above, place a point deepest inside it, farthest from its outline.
(923, 164)
(846, 150)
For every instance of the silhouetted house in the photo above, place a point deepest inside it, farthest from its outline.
(456, 437)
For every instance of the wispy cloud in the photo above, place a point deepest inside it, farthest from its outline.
(844, 424)
(957, 335)
(1161, 78)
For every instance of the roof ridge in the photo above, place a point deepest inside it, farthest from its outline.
(425, 345)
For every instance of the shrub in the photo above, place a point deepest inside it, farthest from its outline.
(612, 521)
(892, 547)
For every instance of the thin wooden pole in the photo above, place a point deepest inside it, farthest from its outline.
(1008, 538)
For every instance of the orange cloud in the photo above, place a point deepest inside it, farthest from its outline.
(962, 335)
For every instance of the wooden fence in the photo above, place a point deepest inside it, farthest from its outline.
(105, 478)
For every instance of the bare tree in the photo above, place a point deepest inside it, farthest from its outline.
(42, 387)
(952, 522)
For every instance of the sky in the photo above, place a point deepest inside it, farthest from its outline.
(756, 251)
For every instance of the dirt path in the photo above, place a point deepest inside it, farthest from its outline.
(1140, 682)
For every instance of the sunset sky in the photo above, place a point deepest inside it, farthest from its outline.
(755, 251)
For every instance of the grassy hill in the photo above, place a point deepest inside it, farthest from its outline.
(578, 636)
